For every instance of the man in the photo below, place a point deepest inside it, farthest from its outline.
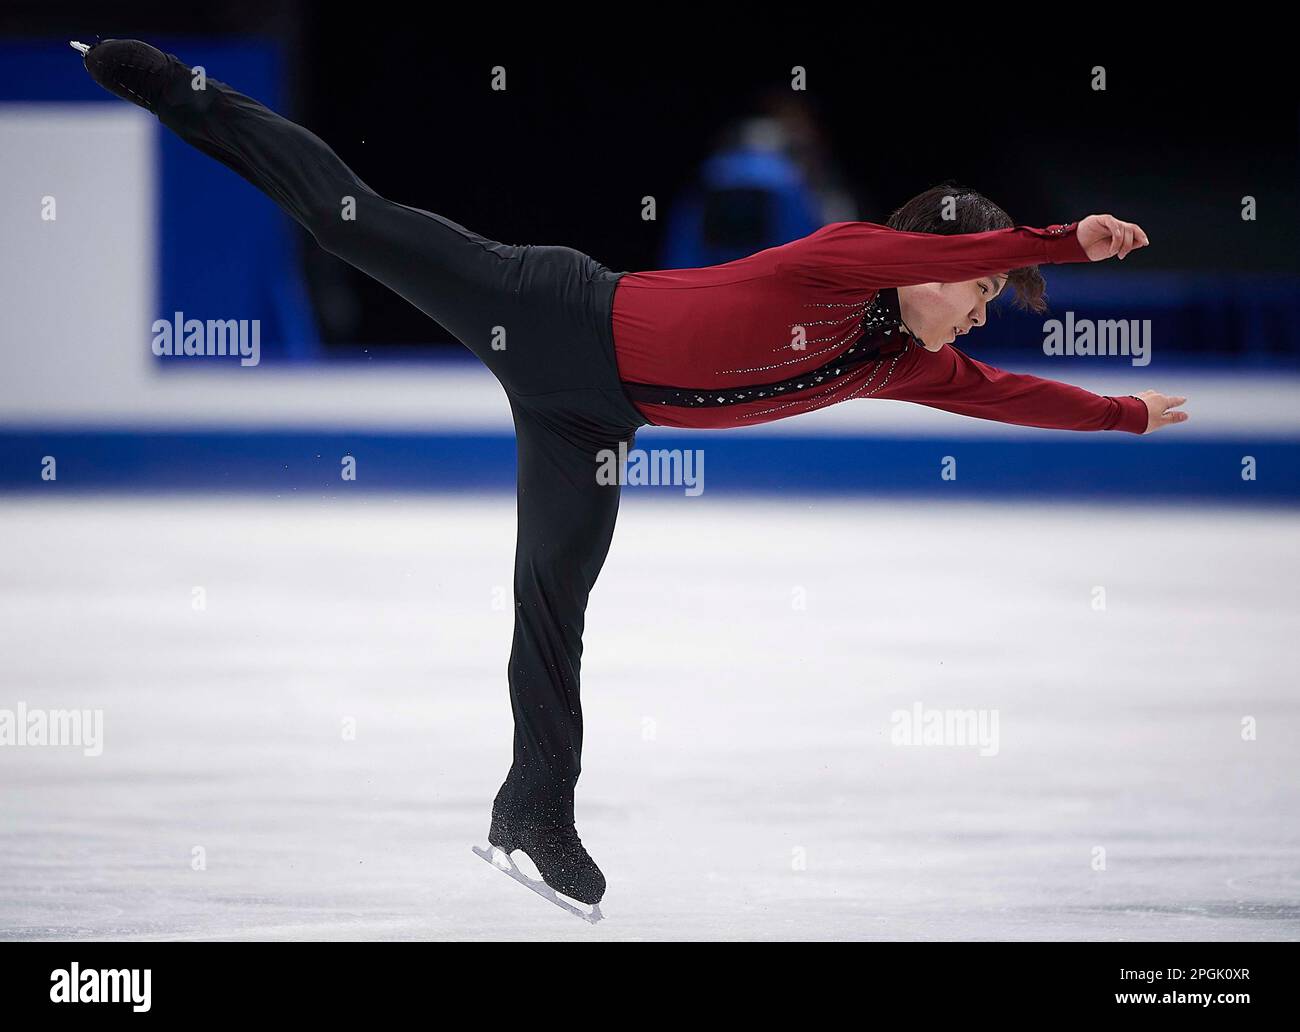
(588, 355)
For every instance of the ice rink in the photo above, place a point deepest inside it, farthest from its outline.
(320, 728)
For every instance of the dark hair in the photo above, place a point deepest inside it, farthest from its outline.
(971, 212)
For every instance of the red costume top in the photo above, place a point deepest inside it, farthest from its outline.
(815, 322)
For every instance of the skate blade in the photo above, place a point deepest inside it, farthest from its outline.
(502, 862)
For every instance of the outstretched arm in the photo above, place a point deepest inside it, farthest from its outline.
(949, 379)
(868, 256)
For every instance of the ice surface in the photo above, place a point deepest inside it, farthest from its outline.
(743, 661)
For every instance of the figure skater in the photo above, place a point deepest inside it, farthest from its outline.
(853, 310)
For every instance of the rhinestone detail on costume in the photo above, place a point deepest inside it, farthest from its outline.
(874, 323)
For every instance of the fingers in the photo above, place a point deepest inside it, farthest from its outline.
(1133, 238)
(1124, 236)
(1108, 237)
(1164, 406)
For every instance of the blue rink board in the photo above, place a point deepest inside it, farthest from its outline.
(1054, 465)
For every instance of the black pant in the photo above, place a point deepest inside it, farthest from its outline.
(539, 318)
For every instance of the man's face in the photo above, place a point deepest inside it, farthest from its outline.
(939, 313)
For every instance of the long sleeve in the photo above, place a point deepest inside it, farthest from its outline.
(869, 256)
(950, 380)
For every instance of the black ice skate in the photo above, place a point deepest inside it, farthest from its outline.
(570, 878)
(130, 69)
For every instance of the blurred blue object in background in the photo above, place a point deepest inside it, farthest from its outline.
(745, 200)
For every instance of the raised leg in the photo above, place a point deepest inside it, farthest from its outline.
(467, 283)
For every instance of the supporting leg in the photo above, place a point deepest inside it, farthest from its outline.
(566, 522)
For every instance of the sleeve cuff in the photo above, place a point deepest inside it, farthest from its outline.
(1133, 415)
(1062, 244)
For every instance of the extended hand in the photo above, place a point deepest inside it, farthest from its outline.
(1104, 236)
(1160, 410)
